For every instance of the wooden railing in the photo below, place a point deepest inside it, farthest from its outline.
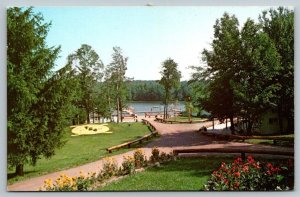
(243, 138)
(241, 150)
(140, 140)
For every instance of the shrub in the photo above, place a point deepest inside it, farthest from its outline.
(91, 128)
(86, 127)
(109, 169)
(155, 155)
(95, 130)
(128, 165)
(65, 183)
(252, 176)
(139, 158)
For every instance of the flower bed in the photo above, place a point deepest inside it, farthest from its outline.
(90, 129)
(109, 171)
(251, 175)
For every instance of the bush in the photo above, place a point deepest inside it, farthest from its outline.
(65, 183)
(95, 130)
(252, 176)
(155, 155)
(86, 127)
(139, 158)
(91, 128)
(128, 165)
(109, 169)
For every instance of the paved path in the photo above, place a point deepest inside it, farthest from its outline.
(172, 136)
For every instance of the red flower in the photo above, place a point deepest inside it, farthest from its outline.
(226, 181)
(237, 174)
(269, 165)
(250, 159)
(238, 160)
(236, 185)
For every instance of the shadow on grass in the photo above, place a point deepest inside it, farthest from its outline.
(12, 175)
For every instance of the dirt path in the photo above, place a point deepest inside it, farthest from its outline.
(172, 136)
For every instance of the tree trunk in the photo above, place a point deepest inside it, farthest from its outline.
(88, 116)
(20, 170)
(249, 128)
(118, 108)
(121, 110)
(231, 124)
(93, 116)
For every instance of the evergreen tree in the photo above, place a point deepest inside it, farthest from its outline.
(38, 100)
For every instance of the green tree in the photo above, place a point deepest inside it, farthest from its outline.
(117, 81)
(89, 66)
(170, 80)
(279, 25)
(254, 84)
(38, 100)
(222, 63)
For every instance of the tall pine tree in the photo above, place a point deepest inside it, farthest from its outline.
(38, 100)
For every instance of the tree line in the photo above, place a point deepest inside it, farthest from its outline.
(152, 90)
(249, 69)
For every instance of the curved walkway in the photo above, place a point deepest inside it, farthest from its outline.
(172, 136)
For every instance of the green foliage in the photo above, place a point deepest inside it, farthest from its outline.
(88, 66)
(65, 183)
(170, 79)
(116, 81)
(109, 168)
(128, 165)
(83, 149)
(252, 176)
(278, 24)
(245, 74)
(140, 90)
(139, 158)
(184, 174)
(38, 106)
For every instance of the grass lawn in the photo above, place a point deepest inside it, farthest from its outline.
(183, 174)
(270, 142)
(185, 119)
(83, 149)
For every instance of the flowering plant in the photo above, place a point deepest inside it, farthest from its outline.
(155, 155)
(65, 183)
(110, 168)
(252, 175)
(139, 158)
(128, 165)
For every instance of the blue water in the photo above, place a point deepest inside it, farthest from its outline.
(140, 107)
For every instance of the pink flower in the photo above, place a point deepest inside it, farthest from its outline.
(246, 168)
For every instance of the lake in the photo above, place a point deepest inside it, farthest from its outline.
(140, 107)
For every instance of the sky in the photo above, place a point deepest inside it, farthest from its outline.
(147, 35)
